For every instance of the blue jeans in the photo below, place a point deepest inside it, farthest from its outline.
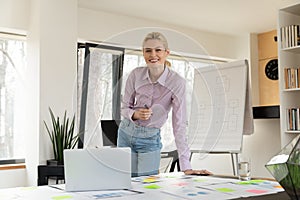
(145, 144)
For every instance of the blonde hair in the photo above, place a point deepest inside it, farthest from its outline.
(167, 63)
(161, 38)
(156, 36)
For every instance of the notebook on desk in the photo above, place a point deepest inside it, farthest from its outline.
(97, 169)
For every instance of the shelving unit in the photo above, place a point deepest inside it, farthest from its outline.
(291, 90)
(293, 132)
(289, 57)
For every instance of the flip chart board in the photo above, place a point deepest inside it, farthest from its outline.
(221, 108)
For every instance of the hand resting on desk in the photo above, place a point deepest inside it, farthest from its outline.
(203, 172)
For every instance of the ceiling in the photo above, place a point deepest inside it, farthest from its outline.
(233, 17)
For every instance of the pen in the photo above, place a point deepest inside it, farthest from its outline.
(145, 105)
(130, 190)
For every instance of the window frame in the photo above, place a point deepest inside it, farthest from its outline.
(116, 77)
(12, 161)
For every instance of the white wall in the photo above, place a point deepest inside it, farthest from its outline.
(50, 75)
(12, 178)
(102, 26)
(53, 75)
(14, 15)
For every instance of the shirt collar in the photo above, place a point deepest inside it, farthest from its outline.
(145, 74)
(161, 79)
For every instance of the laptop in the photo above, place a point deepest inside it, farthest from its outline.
(97, 169)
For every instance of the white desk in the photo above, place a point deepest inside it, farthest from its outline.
(165, 186)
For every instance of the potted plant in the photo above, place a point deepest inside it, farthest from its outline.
(61, 136)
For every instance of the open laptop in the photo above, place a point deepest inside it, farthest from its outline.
(97, 169)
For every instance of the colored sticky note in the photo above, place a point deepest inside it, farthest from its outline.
(29, 188)
(152, 186)
(181, 184)
(150, 180)
(257, 181)
(244, 183)
(257, 191)
(107, 195)
(225, 190)
(251, 182)
(200, 180)
(62, 197)
(202, 192)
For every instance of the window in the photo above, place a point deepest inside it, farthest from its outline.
(99, 71)
(12, 63)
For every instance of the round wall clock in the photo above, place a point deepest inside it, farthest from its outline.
(271, 69)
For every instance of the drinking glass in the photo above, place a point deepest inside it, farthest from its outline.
(244, 170)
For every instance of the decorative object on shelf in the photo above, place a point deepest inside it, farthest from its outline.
(62, 136)
(271, 69)
(291, 77)
(289, 36)
(285, 168)
(293, 119)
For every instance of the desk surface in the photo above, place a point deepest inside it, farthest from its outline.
(277, 196)
(165, 186)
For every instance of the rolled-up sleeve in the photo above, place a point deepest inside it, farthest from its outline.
(129, 97)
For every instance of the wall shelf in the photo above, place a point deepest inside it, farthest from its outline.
(296, 132)
(295, 49)
(291, 89)
(266, 112)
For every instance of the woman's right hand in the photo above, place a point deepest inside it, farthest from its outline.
(142, 114)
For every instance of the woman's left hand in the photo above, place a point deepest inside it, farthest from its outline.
(197, 172)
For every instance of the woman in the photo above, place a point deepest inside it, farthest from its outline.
(150, 93)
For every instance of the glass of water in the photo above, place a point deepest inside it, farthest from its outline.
(244, 170)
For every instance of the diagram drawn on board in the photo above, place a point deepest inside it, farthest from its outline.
(218, 107)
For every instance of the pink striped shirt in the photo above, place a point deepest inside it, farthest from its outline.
(168, 92)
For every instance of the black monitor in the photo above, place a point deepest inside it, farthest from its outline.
(110, 132)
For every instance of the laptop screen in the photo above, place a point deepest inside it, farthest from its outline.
(97, 168)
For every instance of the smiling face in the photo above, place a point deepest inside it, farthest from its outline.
(155, 54)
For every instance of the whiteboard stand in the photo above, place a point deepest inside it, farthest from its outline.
(221, 110)
(234, 159)
(234, 162)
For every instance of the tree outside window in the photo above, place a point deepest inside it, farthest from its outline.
(12, 63)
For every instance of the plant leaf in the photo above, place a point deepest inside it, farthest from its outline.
(62, 134)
